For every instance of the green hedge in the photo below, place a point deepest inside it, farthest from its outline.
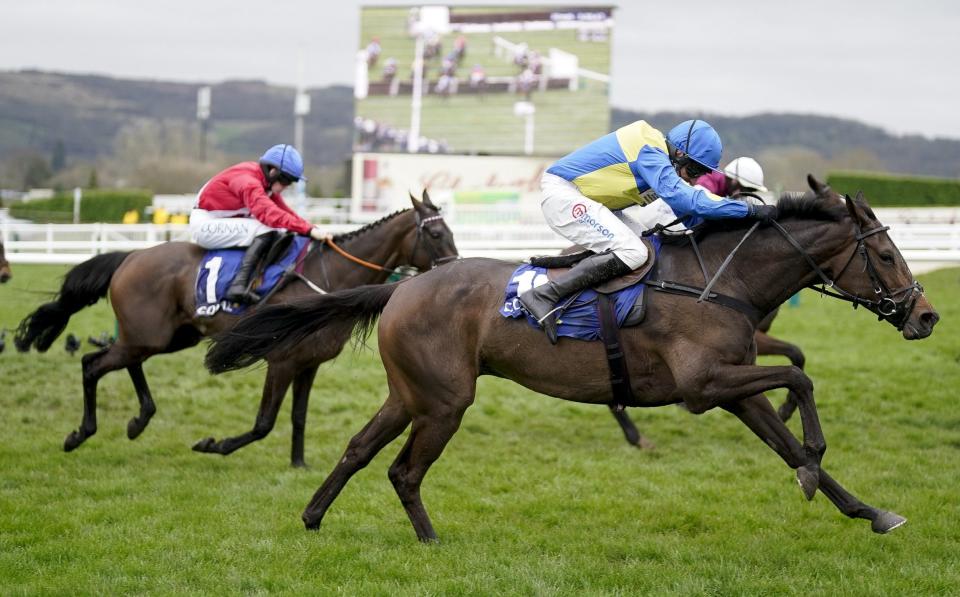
(883, 190)
(97, 205)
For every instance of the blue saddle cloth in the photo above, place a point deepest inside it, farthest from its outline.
(579, 319)
(218, 268)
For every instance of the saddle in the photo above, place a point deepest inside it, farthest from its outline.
(556, 265)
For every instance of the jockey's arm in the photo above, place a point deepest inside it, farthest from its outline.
(656, 170)
(265, 210)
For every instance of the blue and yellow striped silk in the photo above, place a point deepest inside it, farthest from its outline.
(630, 166)
(605, 170)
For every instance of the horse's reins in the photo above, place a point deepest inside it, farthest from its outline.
(894, 306)
(403, 272)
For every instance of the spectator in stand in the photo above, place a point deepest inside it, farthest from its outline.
(433, 46)
(526, 81)
(242, 207)
(741, 175)
(460, 48)
(389, 69)
(536, 63)
(373, 52)
(478, 79)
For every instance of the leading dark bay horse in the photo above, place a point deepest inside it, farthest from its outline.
(5, 273)
(153, 297)
(438, 332)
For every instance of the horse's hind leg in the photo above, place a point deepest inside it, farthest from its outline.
(428, 437)
(137, 424)
(274, 390)
(630, 431)
(96, 365)
(383, 428)
(757, 414)
(768, 345)
(298, 416)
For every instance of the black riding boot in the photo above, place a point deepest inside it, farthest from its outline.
(239, 291)
(540, 302)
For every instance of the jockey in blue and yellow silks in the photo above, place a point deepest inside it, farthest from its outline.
(585, 193)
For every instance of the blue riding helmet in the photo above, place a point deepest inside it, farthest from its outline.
(697, 139)
(285, 158)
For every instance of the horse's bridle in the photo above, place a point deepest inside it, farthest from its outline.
(403, 271)
(894, 306)
(435, 260)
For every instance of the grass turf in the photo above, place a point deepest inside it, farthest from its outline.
(532, 496)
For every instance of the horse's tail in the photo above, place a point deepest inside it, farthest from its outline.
(83, 286)
(281, 327)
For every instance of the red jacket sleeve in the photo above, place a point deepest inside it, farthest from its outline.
(264, 209)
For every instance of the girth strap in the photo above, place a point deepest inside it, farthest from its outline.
(616, 359)
(713, 297)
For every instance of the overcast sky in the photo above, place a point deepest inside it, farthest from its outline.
(892, 63)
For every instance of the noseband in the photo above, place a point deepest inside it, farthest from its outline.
(894, 306)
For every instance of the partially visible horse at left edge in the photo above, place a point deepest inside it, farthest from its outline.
(5, 273)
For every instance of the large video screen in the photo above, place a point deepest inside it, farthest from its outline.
(509, 80)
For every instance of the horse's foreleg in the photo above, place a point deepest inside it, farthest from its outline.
(274, 390)
(729, 383)
(301, 397)
(137, 424)
(630, 431)
(768, 345)
(757, 414)
(95, 365)
(383, 428)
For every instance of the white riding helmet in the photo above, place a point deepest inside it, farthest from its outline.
(747, 172)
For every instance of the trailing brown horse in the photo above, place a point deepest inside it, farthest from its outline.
(5, 273)
(153, 297)
(438, 332)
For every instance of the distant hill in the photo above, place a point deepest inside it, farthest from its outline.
(829, 137)
(96, 118)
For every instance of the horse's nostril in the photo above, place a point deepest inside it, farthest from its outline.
(929, 318)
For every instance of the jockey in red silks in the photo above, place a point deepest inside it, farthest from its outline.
(586, 195)
(242, 207)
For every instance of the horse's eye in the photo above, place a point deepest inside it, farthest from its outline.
(435, 234)
(887, 258)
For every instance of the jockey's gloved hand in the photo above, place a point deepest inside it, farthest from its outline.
(762, 213)
(316, 233)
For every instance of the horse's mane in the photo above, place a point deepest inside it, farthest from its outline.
(359, 231)
(811, 207)
(805, 207)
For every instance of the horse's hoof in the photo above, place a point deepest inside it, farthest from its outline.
(886, 522)
(310, 524)
(298, 464)
(645, 444)
(431, 540)
(134, 428)
(73, 440)
(204, 445)
(809, 478)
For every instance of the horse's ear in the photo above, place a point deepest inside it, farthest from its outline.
(815, 185)
(427, 201)
(857, 207)
(416, 204)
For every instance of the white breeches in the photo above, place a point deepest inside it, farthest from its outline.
(211, 232)
(591, 225)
